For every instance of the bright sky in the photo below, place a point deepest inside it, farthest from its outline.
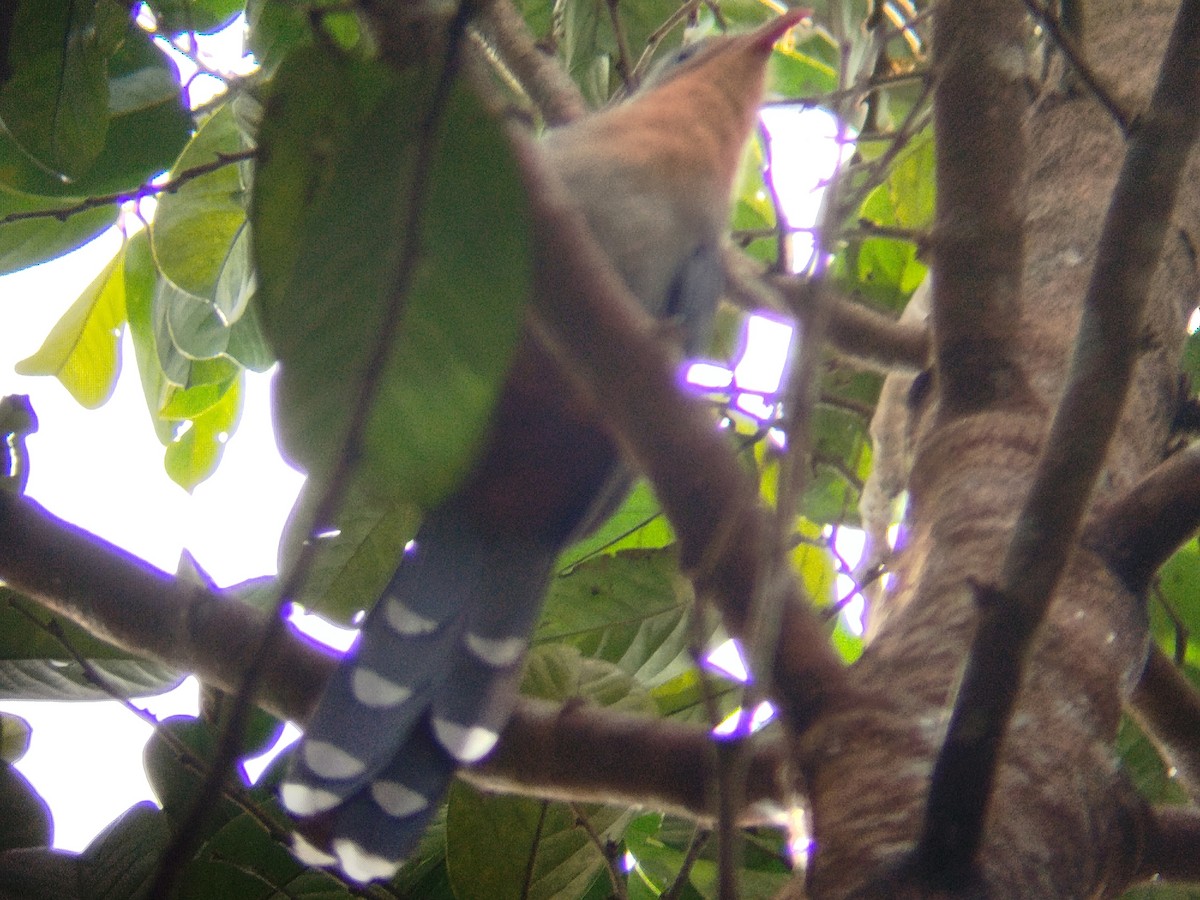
(102, 470)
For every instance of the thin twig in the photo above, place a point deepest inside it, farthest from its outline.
(1075, 56)
(624, 57)
(699, 838)
(657, 36)
(608, 849)
(147, 190)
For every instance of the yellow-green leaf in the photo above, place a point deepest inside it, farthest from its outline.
(199, 443)
(83, 350)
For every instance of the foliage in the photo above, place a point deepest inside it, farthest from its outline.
(287, 230)
(238, 268)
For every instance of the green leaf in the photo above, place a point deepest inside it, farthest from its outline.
(83, 350)
(247, 344)
(37, 872)
(331, 206)
(14, 737)
(560, 672)
(1178, 589)
(148, 127)
(796, 72)
(886, 270)
(660, 843)
(35, 666)
(589, 44)
(356, 555)
(276, 28)
(1191, 358)
(1145, 768)
(27, 242)
(55, 104)
(240, 859)
(199, 443)
(199, 16)
(501, 847)
(123, 859)
(686, 696)
(26, 821)
(637, 524)
(815, 564)
(195, 226)
(141, 278)
(176, 775)
(632, 609)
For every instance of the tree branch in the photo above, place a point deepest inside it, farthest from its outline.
(576, 752)
(1153, 519)
(1172, 850)
(139, 608)
(147, 190)
(712, 502)
(978, 238)
(862, 334)
(539, 74)
(1106, 349)
(1167, 707)
(589, 754)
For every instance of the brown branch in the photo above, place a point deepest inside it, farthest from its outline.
(1075, 57)
(578, 752)
(538, 73)
(978, 238)
(1172, 851)
(685, 11)
(1106, 349)
(712, 502)
(1153, 519)
(675, 890)
(1167, 707)
(145, 611)
(147, 190)
(609, 850)
(624, 57)
(589, 754)
(861, 333)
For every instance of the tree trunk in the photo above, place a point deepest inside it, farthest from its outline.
(1062, 820)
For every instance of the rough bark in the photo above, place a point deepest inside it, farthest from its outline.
(1061, 822)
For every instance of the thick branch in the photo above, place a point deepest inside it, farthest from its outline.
(1173, 849)
(139, 608)
(978, 242)
(578, 752)
(1167, 707)
(1154, 518)
(1105, 352)
(712, 502)
(859, 332)
(585, 753)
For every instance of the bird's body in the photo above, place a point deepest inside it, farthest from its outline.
(434, 675)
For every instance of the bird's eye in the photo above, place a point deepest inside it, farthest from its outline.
(683, 54)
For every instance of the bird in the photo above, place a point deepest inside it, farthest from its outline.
(435, 671)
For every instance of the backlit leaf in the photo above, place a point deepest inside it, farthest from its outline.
(83, 350)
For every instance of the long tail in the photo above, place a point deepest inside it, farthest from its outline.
(428, 687)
